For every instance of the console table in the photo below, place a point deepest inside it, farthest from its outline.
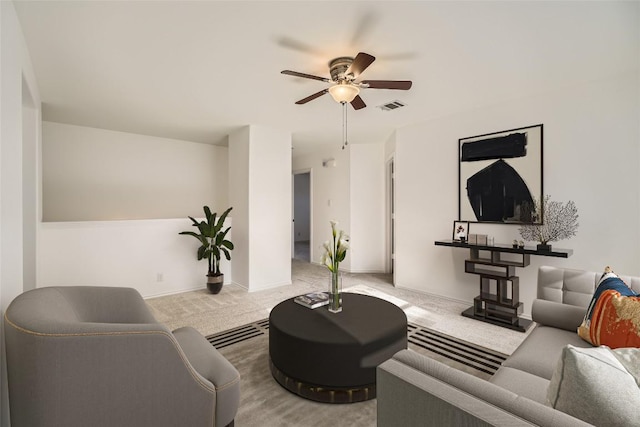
(499, 299)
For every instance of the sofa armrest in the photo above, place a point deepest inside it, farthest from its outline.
(557, 315)
(415, 390)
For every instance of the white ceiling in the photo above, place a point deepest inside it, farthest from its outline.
(199, 70)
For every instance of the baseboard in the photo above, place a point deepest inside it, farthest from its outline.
(367, 271)
(177, 291)
(266, 288)
(346, 270)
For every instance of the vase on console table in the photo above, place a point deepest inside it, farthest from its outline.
(335, 292)
(544, 247)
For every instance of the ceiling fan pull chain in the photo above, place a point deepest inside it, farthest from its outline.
(344, 125)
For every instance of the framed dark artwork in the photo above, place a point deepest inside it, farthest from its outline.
(460, 231)
(500, 175)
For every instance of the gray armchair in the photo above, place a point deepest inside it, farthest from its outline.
(95, 356)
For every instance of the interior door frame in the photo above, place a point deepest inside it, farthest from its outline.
(390, 204)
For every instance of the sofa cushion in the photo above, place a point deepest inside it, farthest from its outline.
(615, 321)
(574, 287)
(608, 281)
(596, 385)
(522, 383)
(540, 351)
(613, 316)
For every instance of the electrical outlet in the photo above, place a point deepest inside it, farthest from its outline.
(159, 277)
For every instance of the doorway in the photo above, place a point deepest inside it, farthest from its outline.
(390, 208)
(302, 216)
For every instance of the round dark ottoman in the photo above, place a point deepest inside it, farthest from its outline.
(332, 357)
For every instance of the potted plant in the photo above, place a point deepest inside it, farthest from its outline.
(558, 221)
(213, 245)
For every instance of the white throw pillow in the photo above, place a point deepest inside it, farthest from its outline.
(597, 385)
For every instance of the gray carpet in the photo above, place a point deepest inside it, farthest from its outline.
(234, 307)
(265, 403)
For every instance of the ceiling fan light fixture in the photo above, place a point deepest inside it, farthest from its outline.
(344, 92)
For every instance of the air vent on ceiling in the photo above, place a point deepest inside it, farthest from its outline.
(393, 105)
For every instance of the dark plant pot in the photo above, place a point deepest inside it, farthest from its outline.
(214, 283)
(544, 248)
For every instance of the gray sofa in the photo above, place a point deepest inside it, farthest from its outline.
(95, 356)
(414, 390)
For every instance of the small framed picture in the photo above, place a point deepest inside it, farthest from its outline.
(460, 231)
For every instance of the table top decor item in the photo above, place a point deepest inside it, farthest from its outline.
(556, 221)
(335, 251)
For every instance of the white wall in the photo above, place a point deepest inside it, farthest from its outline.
(353, 193)
(591, 156)
(260, 191)
(368, 243)
(331, 195)
(148, 255)
(15, 70)
(95, 174)
(270, 213)
(390, 146)
(239, 143)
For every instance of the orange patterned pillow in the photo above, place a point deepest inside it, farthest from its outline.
(615, 321)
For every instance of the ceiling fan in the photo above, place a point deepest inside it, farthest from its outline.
(344, 71)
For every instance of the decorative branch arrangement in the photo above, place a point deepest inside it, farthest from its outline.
(560, 221)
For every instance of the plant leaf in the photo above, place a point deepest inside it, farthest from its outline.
(190, 233)
(201, 252)
(221, 220)
(220, 236)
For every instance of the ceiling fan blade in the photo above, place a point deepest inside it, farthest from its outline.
(388, 84)
(291, 43)
(306, 76)
(358, 103)
(312, 97)
(360, 63)
(363, 27)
